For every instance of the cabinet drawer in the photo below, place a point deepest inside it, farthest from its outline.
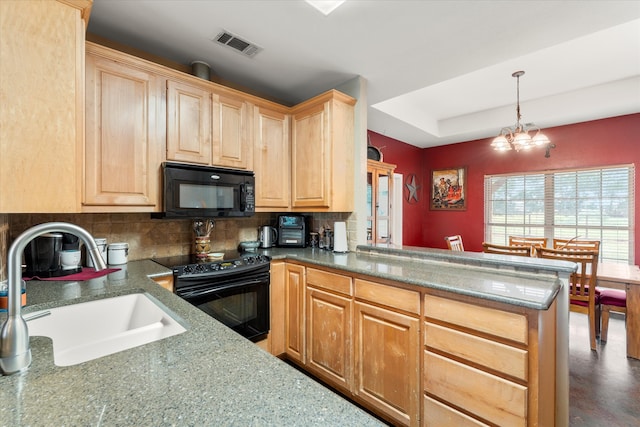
(490, 397)
(329, 281)
(502, 324)
(402, 299)
(499, 357)
(437, 414)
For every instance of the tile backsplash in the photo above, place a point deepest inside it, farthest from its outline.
(149, 237)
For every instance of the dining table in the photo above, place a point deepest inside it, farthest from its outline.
(627, 278)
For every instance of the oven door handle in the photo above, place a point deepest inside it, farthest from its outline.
(211, 289)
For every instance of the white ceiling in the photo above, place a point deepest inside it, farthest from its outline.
(437, 72)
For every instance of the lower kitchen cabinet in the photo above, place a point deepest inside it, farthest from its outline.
(294, 284)
(387, 342)
(478, 366)
(413, 355)
(164, 281)
(328, 327)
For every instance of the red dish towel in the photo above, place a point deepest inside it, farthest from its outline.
(86, 274)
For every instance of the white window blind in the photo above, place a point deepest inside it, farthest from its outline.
(592, 204)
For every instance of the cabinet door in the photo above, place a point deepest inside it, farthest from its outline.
(122, 147)
(41, 105)
(322, 154)
(310, 166)
(277, 308)
(188, 123)
(231, 129)
(328, 337)
(387, 362)
(272, 159)
(294, 311)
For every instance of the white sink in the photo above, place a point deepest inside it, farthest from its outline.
(87, 331)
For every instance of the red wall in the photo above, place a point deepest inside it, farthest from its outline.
(603, 142)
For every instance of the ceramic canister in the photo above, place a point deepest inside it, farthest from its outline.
(118, 253)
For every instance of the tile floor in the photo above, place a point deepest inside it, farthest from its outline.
(604, 386)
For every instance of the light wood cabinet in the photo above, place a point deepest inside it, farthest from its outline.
(478, 366)
(414, 355)
(124, 133)
(231, 131)
(42, 98)
(294, 284)
(379, 198)
(272, 159)
(188, 123)
(328, 327)
(387, 355)
(164, 281)
(207, 127)
(322, 145)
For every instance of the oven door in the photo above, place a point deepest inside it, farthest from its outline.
(240, 303)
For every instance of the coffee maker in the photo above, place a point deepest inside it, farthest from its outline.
(42, 255)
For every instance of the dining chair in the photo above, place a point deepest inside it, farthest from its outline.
(516, 250)
(610, 300)
(532, 242)
(583, 296)
(454, 242)
(573, 244)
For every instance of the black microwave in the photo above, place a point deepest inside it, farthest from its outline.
(192, 191)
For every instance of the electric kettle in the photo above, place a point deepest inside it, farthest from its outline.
(267, 236)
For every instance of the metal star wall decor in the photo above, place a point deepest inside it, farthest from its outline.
(412, 187)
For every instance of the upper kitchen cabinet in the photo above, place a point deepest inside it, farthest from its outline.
(188, 123)
(207, 125)
(322, 151)
(231, 131)
(124, 144)
(272, 158)
(42, 98)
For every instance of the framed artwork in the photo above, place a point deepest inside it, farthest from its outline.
(449, 189)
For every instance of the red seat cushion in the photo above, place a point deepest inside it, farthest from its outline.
(580, 302)
(615, 297)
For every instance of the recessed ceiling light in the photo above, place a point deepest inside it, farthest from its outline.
(325, 6)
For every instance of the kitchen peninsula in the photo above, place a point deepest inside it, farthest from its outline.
(428, 336)
(507, 314)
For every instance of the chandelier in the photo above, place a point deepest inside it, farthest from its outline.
(517, 137)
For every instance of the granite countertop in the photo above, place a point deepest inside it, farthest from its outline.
(208, 375)
(526, 282)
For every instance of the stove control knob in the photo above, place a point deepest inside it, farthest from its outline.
(201, 268)
(215, 267)
(188, 269)
(250, 260)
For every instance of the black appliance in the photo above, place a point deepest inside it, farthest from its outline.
(235, 291)
(192, 191)
(42, 255)
(293, 230)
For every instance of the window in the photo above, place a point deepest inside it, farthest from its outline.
(592, 204)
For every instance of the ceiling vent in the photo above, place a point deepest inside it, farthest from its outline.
(236, 43)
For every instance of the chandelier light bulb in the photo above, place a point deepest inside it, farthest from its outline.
(540, 139)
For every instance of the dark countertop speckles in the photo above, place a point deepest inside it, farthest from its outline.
(207, 375)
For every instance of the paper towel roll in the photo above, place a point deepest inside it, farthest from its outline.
(340, 237)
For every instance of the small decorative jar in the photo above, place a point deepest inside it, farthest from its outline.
(202, 246)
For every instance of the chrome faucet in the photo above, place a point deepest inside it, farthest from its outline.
(15, 353)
